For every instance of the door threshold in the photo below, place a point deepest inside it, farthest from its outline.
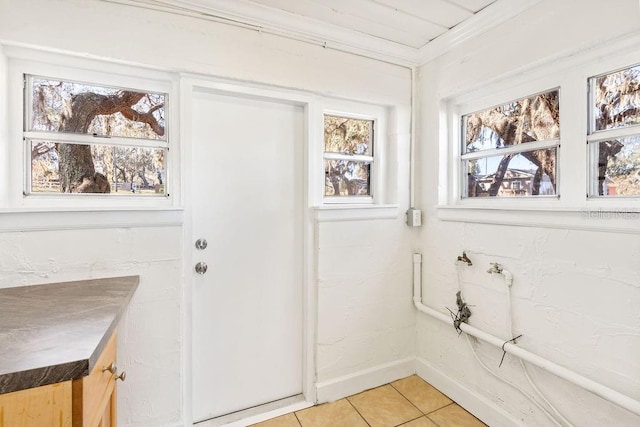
(258, 413)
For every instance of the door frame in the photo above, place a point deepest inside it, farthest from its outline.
(188, 85)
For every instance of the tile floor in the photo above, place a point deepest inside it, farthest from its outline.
(409, 402)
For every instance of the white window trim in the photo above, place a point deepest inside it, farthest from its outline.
(514, 149)
(572, 209)
(595, 136)
(18, 61)
(382, 176)
(15, 61)
(350, 212)
(374, 159)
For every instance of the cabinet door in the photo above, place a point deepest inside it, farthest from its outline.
(49, 405)
(94, 395)
(109, 418)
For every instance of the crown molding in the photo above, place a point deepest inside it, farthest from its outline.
(268, 20)
(488, 18)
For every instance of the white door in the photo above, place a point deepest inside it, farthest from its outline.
(247, 203)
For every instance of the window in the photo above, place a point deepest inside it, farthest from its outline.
(614, 133)
(355, 158)
(86, 135)
(348, 157)
(511, 150)
(507, 165)
(90, 138)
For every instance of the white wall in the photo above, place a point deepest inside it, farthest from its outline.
(575, 293)
(149, 334)
(180, 43)
(365, 315)
(368, 257)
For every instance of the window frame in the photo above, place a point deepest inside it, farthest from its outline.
(23, 62)
(514, 149)
(451, 143)
(595, 136)
(371, 159)
(573, 209)
(379, 116)
(30, 137)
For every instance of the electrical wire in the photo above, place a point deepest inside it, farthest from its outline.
(524, 366)
(513, 385)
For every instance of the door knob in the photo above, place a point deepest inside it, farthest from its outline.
(201, 268)
(201, 244)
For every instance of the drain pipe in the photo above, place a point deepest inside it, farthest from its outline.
(598, 389)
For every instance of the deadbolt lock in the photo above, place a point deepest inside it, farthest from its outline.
(201, 244)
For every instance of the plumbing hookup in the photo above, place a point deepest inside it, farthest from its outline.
(463, 314)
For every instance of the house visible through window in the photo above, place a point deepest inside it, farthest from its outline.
(348, 156)
(614, 133)
(511, 150)
(86, 138)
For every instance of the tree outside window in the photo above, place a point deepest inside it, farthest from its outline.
(614, 133)
(348, 155)
(86, 138)
(511, 150)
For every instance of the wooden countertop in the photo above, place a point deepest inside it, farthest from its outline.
(55, 332)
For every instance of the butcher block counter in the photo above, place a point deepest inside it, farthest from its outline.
(57, 352)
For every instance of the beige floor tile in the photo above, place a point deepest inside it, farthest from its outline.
(455, 416)
(420, 422)
(335, 414)
(384, 407)
(288, 420)
(421, 394)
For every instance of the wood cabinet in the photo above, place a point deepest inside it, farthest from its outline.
(94, 396)
(89, 401)
(49, 405)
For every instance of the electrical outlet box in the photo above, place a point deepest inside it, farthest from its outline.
(414, 217)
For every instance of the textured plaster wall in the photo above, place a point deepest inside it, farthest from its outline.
(576, 294)
(149, 334)
(365, 312)
(365, 317)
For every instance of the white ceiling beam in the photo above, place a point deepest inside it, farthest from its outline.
(471, 5)
(489, 17)
(440, 12)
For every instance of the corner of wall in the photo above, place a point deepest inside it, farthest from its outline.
(347, 385)
(482, 408)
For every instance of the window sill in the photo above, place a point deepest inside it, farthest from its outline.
(41, 219)
(353, 212)
(609, 219)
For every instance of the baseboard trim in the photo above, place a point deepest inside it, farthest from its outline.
(338, 388)
(481, 407)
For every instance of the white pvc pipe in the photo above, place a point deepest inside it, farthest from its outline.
(508, 277)
(596, 388)
(412, 138)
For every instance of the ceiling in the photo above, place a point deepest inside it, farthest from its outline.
(411, 23)
(407, 32)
